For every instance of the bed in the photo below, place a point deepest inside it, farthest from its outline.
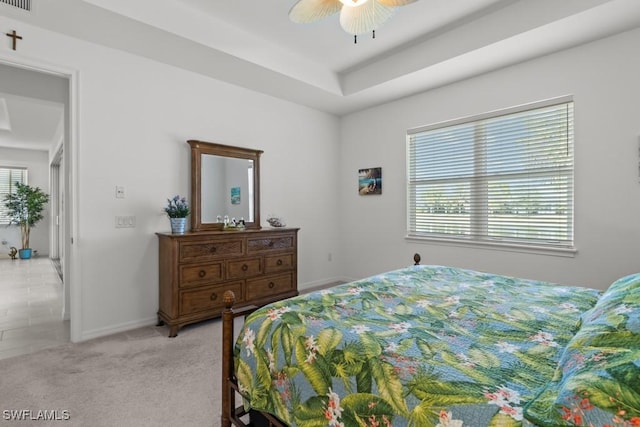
(437, 346)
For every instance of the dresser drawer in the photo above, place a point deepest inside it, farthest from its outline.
(242, 268)
(194, 275)
(275, 263)
(194, 251)
(269, 286)
(270, 243)
(207, 298)
(196, 268)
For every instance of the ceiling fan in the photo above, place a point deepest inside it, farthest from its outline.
(356, 16)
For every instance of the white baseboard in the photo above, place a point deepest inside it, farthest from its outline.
(4, 255)
(127, 326)
(122, 327)
(321, 284)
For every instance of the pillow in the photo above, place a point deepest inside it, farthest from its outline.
(597, 381)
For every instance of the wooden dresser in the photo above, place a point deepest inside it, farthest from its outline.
(259, 266)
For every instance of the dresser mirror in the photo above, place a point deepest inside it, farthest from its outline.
(225, 182)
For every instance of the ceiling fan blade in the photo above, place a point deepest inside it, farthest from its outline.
(364, 18)
(395, 3)
(306, 11)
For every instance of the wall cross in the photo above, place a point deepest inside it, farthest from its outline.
(15, 37)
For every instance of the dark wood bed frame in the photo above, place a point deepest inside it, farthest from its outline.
(231, 412)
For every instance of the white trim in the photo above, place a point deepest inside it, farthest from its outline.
(497, 246)
(320, 284)
(72, 264)
(495, 113)
(122, 327)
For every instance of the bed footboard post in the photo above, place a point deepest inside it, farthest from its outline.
(229, 299)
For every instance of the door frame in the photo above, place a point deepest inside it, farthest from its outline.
(71, 272)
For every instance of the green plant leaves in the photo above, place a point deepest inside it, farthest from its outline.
(360, 409)
(314, 367)
(328, 339)
(311, 413)
(388, 385)
(25, 207)
(610, 394)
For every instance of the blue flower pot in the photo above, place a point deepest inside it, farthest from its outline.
(24, 253)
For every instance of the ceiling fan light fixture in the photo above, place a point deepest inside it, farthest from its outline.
(356, 16)
(365, 19)
(353, 3)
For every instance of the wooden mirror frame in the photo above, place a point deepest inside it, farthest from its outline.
(198, 148)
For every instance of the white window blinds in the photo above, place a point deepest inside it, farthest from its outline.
(8, 179)
(504, 177)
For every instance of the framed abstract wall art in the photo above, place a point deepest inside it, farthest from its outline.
(369, 181)
(235, 195)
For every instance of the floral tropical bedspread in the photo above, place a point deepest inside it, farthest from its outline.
(421, 346)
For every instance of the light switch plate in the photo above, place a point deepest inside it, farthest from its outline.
(128, 221)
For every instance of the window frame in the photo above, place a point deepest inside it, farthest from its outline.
(485, 241)
(25, 175)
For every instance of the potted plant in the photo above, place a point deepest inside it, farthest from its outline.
(177, 209)
(25, 208)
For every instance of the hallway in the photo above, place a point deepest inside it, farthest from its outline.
(30, 307)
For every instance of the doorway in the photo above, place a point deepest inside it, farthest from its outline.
(54, 85)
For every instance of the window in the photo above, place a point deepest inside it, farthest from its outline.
(8, 179)
(502, 178)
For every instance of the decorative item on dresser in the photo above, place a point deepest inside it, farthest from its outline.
(177, 210)
(259, 266)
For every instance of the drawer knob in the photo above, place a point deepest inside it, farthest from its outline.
(213, 296)
(202, 273)
(279, 262)
(245, 267)
(271, 285)
(212, 249)
(271, 243)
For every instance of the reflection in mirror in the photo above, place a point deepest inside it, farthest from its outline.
(225, 181)
(227, 188)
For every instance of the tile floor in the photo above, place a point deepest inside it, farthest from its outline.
(30, 307)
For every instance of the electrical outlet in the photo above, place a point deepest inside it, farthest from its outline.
(119, 192)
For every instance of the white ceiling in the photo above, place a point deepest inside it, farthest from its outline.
(33, 124)
(253, 44)
(32, 108)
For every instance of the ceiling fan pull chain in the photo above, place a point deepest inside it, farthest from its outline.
(374, 34)
(355, 39)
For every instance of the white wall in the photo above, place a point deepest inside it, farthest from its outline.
(135, 116)
(37, 164)
(602, 77)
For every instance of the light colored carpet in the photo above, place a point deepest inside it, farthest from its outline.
(137, 378)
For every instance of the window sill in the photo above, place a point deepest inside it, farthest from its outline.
(497, 246)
